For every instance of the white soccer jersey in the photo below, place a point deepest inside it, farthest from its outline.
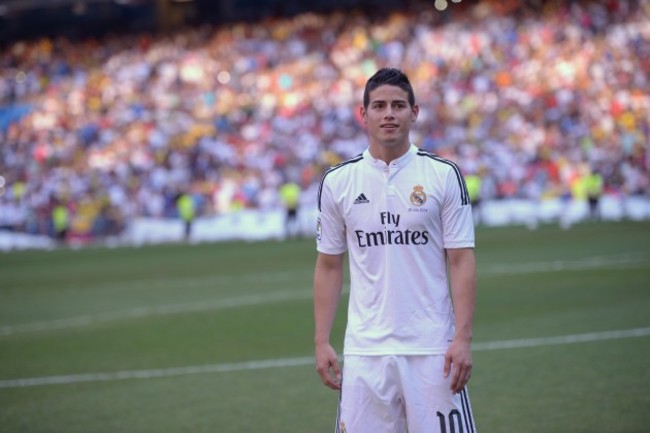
(396, 221)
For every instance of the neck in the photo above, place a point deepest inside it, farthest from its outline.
(388, 153)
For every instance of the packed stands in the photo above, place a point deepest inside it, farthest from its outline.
(532, 97)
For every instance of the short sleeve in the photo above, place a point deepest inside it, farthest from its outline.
(457, 220)
(330, 225)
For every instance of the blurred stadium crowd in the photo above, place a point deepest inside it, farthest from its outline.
(531, 99)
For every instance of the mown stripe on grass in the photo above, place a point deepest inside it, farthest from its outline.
(301, 361)
(163, 310)
(169, 282)
(627, 261)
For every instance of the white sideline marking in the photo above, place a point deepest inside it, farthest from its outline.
(611, 262)
(302, 361)
(562, 339)
(616, 262)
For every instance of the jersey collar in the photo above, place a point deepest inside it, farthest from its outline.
(399, 162)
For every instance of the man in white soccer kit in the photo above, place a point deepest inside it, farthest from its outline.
(402, 219)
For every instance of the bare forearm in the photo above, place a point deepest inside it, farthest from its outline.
(328, 282)
(462, 269)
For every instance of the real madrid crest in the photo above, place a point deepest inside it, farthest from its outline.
(418, 197)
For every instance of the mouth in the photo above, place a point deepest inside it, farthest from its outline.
(389, 126)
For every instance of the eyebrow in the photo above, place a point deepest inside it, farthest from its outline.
(375, 101)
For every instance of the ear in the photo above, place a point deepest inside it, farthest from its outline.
(362, 113)
(414, 113)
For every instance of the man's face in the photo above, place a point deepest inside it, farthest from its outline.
(389, 117)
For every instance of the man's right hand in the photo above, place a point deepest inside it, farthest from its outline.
(327, 366)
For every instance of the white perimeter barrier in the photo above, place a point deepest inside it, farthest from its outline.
(252, 225)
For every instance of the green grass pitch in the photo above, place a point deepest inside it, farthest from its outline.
(218, 337)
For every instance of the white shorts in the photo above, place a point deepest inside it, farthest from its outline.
(399, 394)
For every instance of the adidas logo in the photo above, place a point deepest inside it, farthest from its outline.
(361, 199)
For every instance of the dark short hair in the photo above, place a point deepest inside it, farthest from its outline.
(392, 77)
